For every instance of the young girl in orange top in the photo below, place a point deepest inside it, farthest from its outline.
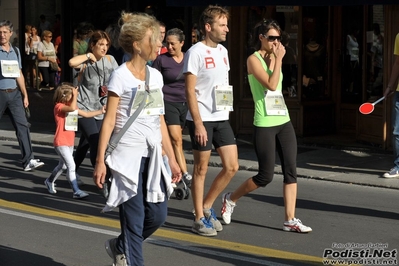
(66, 118)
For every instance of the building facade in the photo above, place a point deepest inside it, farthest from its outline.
(323, 86)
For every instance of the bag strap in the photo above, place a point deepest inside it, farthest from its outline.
(79, 75)
(16, 51)
(117, 137)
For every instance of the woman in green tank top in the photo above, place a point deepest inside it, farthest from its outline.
(272, 126)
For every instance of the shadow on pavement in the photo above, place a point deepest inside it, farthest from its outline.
(11, 256)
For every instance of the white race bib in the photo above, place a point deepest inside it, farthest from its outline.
(10, 68)
(154, 104)
(223, 97)
(274, 103)
(71, 121)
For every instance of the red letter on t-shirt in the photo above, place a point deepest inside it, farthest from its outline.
(209, 62)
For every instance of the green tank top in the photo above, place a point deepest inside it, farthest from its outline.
(261, 119)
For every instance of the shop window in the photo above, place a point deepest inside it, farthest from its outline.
(363, 42)
(314, 58)
(375, 53)
(353, 34)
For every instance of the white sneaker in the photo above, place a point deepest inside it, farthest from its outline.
(33, 164)
(393, 173)
(227, 208)
(295, 225)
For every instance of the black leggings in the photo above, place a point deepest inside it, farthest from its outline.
(90, 129)
(48, 76)
(266, 141)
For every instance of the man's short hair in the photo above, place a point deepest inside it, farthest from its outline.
(7, 23)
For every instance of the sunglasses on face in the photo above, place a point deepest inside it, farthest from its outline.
(272, 38)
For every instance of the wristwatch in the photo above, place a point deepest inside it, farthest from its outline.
(88, 56)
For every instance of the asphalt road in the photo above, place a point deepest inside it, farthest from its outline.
(37, 228)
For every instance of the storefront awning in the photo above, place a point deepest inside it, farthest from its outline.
(278, 2)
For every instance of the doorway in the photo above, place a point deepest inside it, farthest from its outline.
(353, 35)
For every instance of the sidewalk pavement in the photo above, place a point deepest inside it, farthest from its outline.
(352, 164)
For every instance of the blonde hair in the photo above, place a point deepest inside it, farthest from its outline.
(45, 33)
(62, 92)
(134, 27)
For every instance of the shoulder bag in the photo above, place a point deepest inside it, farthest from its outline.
(54, 66)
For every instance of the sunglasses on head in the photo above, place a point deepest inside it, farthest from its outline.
(271, 38)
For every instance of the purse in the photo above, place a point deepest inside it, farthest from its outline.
(102, 91)
(54, 66)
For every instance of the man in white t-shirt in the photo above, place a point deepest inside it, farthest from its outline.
(209, 97)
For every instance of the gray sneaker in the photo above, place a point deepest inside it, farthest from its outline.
(203, 227)
(110, 247)
(210, 215)
(80, 194)
(50, 186)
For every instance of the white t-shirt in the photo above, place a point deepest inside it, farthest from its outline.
(48, 50)
(142, 139)
(353, 48)
(35, 45)
(211, 66)
(124, 84)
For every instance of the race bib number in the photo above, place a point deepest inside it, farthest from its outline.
(154, 104)
(224, 97)
(71, 121)
(274, 103)
(10, 68)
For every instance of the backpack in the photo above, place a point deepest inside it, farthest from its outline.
(16, 51)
